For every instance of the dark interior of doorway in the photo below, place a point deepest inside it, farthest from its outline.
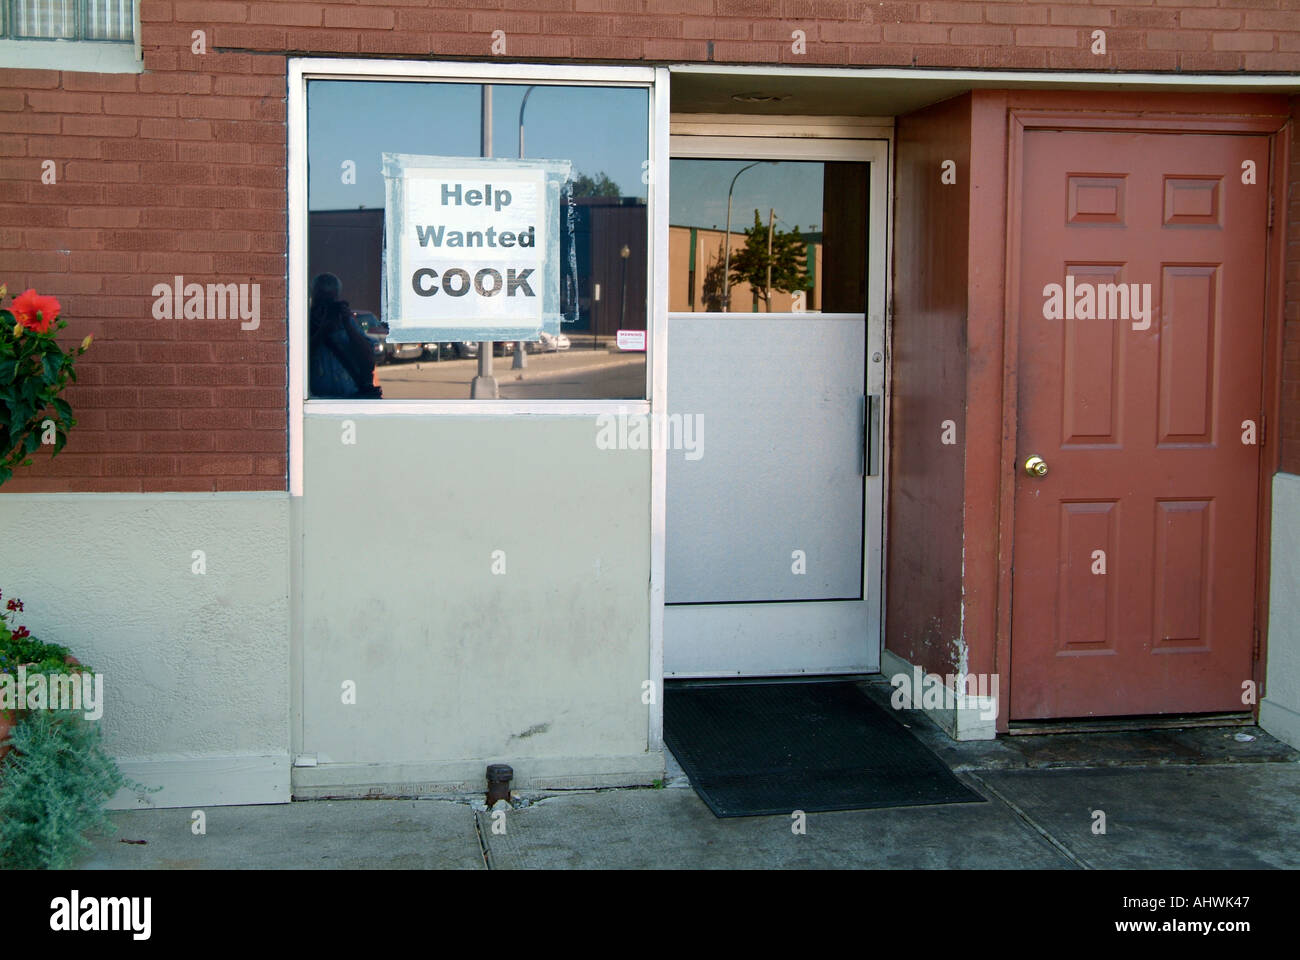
(769, 747)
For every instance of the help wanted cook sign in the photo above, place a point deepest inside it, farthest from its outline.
(472, 248)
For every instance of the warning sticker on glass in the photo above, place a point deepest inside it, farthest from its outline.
(631, 340)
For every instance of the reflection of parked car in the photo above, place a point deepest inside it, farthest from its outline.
(449, 350)
(404, 351)
(549, 343)
(376, 332)
(469, 348)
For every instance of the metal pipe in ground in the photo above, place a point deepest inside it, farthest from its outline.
(499, 776)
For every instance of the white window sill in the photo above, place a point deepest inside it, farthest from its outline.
(491, 408)
(91, 56)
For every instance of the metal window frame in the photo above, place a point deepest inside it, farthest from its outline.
(80, 20)
(72, 55)
(656, 81)
(302, 70)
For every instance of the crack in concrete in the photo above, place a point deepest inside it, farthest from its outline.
(1023, 814)
(482, 841)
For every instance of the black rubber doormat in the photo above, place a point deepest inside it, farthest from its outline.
(754, 749)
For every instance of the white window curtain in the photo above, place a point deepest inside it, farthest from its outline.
(108, 20)
(47, 19)
(71, 19)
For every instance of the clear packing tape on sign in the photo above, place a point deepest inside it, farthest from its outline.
(472, 248)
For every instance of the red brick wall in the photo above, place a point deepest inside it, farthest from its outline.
(1221, 35)
(170, 172)
(181, 170)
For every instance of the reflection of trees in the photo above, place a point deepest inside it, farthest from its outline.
(598, 186)
(788, 261)
(712, 292)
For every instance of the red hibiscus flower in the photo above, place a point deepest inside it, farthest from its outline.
(35, 312)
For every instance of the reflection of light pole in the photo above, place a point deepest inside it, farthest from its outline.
(726, 269)
(622, 312)
(523, 104)
(521, 361)
(484, 386)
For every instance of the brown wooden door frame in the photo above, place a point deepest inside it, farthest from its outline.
(1021, 120)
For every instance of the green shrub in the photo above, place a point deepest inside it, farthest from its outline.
(57, 776)
(53, 786)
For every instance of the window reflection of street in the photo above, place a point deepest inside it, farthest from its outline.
(556, 375)
(763, 236)
(351, 123)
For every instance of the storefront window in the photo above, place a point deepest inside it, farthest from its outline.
(591, 285)
(797, 234)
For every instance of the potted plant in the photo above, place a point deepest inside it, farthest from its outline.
(55, 775)
(19, 648)
(34, 370)
(53, 787)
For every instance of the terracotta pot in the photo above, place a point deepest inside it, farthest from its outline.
(8, 720)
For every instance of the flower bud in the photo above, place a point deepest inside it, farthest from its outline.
(85, 344)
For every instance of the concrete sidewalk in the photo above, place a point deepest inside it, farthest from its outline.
(1201, 798)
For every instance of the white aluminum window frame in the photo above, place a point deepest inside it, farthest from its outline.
(301, 70)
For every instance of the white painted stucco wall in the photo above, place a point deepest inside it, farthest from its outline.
(196, 666)
(1279, 708)
(456, 666)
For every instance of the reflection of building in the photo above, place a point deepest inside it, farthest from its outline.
(696, 257)
(603, 225)
(350, 244)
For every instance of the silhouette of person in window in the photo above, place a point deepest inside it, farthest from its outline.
(341, 359)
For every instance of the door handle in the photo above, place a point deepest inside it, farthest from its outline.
(1036, 467)
(871, 434)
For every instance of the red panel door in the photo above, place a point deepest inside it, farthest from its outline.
(1134, 563)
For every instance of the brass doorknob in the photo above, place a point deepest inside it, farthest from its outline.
(1036, 466)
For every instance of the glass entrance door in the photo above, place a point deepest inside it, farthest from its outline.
(775, 352)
